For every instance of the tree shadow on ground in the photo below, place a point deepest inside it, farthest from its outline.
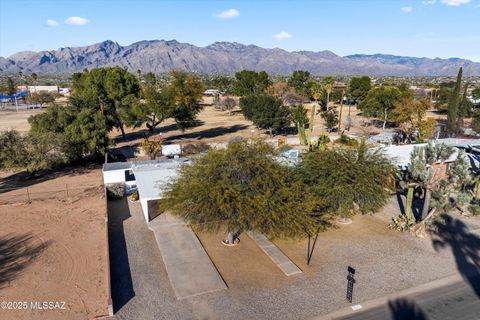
(465, 246)
(120, 274)
(142, 133)
(417, 205)
(208, 133)
(404, 309)
(16, 253)
(23, 179)
(377, 123)
(401, 205)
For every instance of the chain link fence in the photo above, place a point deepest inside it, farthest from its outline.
(29, 194)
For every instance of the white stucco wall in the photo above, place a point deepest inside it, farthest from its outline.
(144, 203)
(114, 176)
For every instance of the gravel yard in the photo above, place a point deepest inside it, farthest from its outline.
(386, 261)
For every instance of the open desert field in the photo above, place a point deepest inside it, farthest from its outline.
(55, 248)
(10, 119)
(216, 126)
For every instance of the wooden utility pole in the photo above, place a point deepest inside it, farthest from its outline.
(340, 115)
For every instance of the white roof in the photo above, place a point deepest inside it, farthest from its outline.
(152, 176)
(459, 142)
(401, 154)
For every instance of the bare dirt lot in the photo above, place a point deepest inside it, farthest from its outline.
(55, 249)
(10, 119)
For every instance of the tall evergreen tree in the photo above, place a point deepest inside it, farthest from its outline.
(250, 82)
(359, 87)
(299, 80)
(265, 111)
(111, 91)
(453, 107)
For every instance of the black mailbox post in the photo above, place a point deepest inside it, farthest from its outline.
(351, 281)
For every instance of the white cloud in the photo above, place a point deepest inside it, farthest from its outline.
(51, 23)
(228, 14)
(77, 21)
(425, 34)
(455, 3)
(429, 2)
(407, 9)
(282, 35)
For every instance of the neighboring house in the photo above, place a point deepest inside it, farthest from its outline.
(212, 92)
(148, 177)
(384, 137)
(401, 154)
(290, 157)
(64, 91)
(39, 88)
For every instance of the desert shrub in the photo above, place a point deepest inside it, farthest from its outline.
(135, 196)
(284, 148)
(474, 209)
(227, 104)
(320, 144)
(330, 118)
(347, 141)
(152, 147)
(115, 191)
(194, 148)
(427, 129)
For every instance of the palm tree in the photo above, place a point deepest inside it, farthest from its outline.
(34, 80)
(328, 89)
(316, 94)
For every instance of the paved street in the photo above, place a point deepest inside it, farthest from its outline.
(457, 301)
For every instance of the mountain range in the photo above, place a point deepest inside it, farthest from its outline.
(160, 56)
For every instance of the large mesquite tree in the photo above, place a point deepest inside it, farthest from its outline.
(347, 180)
(380, 103)
(244, 188)
(179, 99)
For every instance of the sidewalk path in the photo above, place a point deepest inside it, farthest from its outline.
(277, 256)
(189, 268)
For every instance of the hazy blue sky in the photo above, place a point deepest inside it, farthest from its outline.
(431, 28)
